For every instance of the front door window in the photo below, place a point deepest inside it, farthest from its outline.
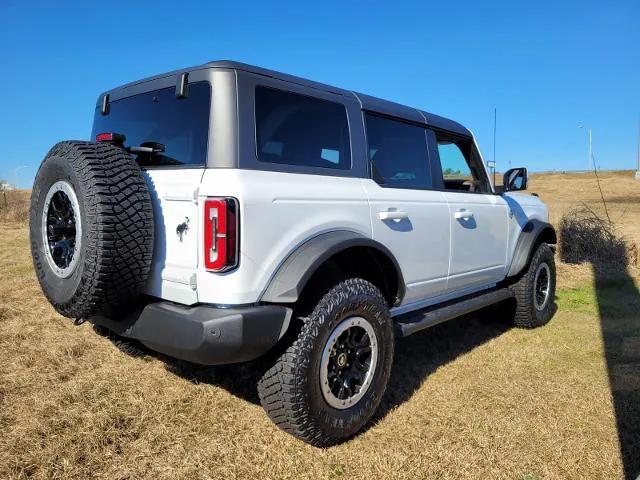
(461, 169)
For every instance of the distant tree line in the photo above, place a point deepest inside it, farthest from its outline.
(450, 172)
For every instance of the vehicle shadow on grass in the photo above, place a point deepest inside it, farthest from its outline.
(416, 358)
(421, 354)
(238, 379)
(618, 303)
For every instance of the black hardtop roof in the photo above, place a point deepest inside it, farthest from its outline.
(367, 102)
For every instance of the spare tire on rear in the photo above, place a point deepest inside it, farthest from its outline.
(91, 228)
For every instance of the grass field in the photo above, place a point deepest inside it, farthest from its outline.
(472, 398)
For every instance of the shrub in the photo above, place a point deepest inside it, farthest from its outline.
(587, 237)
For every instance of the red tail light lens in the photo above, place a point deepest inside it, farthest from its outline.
(110, 137)
(104, 137)
(220, 234)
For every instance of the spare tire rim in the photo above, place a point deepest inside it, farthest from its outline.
(61, 229)
(348, 363)
(541, 286)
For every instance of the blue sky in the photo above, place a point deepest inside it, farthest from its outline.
(546, 66)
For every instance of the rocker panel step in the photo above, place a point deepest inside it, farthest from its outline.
(413, 322)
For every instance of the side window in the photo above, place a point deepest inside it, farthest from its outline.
(398, 153)
(459, 164)
(295, 129)
(454, 165)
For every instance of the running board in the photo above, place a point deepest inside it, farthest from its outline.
(413, 322)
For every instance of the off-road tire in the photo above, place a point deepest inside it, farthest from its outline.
(290, 390)
(116, 218)
(525, 314)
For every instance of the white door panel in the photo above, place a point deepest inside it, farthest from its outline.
(175, 254)
(479, 236)
(278, 213)
(414, 226)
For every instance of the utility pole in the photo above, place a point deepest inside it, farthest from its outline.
(590, 159)
(638, 170)
(590, 153)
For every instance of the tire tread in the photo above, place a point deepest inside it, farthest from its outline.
(282, 389)
(118, 214)
(525, 315)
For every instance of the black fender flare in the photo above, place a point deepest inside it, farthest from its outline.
(292, 275)
(528, 240)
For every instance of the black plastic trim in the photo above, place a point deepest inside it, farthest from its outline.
(291, 277)
(413, 322)
(204, 334)
(526, 242)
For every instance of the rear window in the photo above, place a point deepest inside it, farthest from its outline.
(181, 125)
(398, 153)
(295, 129)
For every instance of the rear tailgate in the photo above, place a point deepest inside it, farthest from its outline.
(175, 256)
(169, 137)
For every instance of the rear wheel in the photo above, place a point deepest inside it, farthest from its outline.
(330, 380)
(535, 291)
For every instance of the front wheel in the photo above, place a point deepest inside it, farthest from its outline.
(330, 381)
(535, 291)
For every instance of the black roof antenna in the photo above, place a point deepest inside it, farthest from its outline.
(495, 124)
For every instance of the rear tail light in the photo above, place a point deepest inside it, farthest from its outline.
(220, 234)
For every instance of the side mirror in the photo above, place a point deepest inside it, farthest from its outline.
(515, 179)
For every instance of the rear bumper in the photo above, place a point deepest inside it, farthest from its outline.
(204, 334)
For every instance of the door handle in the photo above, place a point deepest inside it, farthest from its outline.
(393, 215)
(463, 214)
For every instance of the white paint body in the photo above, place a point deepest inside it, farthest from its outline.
(447, 244)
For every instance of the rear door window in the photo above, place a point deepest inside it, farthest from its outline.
(300, 130)
(398, 153)
(181, 126)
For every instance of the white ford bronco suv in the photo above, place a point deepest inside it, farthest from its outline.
(226, 212)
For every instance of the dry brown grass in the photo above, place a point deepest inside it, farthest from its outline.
(14, 206)
(564, 192)
(468, 399)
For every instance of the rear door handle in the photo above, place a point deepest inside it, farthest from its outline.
(392, 215)
(463, 214)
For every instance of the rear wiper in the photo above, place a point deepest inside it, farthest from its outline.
(151, 153)
(149, 148)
